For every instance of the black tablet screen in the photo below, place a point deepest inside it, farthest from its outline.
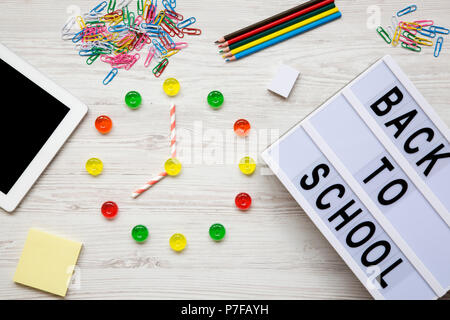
(28, 117)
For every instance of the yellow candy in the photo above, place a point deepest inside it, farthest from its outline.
(171, 87)
(178, 242)
(172, 167)
(94, 166)
(247, 165)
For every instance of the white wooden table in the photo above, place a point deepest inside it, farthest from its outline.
(273, 251)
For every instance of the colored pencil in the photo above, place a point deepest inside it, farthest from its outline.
(285, 36)
(268, 20)
(277, 28)
(277, 22)
(281, 32)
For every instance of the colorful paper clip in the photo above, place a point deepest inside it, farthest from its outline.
(186, 23)
(110, 76)
(412, 47)
(394, 21)
(168, 5)
(407, 10)
(438, 47)
(99, 8)
(111, 6)
(140, 7)
(92, 58)
(191, 31)
(390, 31)
(427, 33)
(150, 55)
(440, 30)
(424, 23)
(174, 15)
(396, 37)
(384, 35)
(181, 45)
(160, 67)
(159, 47)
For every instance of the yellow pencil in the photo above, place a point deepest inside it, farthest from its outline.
(282, 31)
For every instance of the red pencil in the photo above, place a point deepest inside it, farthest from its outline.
(275, 23)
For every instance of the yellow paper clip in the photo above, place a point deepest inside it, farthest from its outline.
(412, 25)
(396, 38)
(94, 37)
(424, 42)
(147, 6)
(81, 23)
(116, 21)
(171, 53)
(160, 17)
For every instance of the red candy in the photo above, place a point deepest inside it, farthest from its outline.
(243, 201)
(109, 209)
(242, 127)
(103, 124)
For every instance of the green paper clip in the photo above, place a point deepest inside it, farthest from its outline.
(92, 58)
(111, 6)
(384, 35)
(414, 48)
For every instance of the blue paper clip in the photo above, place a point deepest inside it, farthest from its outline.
(86, 52)
(173, 3)
(150, 27)
(172, 43)
(426, 32)
(78, 36)
(159, 47)
(440, 30)
(407, 10)
(118, 28)
(110, 76)
(99, 8)
(438, 48)
(186, 23)
(168, 5)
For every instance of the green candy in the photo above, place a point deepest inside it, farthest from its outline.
(215, 99)
(139, 233)
(217, 232)
(133, 99)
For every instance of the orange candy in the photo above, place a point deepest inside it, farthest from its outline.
(103, 124)
(242, 127)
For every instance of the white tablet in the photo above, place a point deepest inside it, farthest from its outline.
(36, 118)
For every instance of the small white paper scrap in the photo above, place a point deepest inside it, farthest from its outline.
(284, 81)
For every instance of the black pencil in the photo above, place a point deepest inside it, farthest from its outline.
(268, 20)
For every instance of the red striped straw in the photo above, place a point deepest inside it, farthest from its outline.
(149, 184)
(173, 136)
(173, 152)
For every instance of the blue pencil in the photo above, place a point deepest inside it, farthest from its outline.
(285, 36)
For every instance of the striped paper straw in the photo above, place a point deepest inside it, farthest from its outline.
(173, 152)
(173, 136)
(149, 184)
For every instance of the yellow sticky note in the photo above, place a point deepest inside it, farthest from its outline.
(47, 262)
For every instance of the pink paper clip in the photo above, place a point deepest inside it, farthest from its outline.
(151, 14)
(405, 26)
(135, 59)
(181, 45)
(407, 40)
(150, 55)
(138, 20)
(425, 23)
